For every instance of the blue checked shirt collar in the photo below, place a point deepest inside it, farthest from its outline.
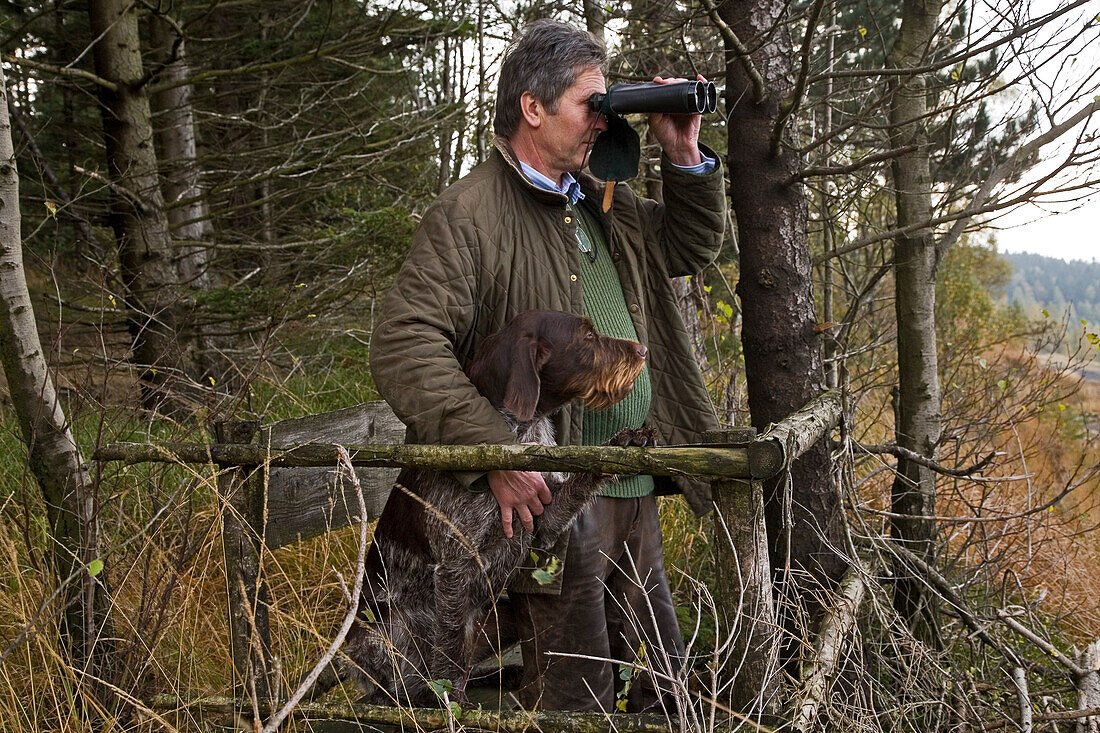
(568, 188)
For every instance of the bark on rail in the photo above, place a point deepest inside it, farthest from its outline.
(432, 719)
(785, 441)
(689, 460)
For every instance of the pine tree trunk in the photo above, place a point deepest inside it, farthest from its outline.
(156, 308)
(917, 400)
(595, 18)
(53, 456)
(783, 361)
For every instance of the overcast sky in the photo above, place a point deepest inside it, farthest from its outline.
(1073, 235)
(1069, 231)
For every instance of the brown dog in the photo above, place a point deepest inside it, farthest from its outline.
(440, 557)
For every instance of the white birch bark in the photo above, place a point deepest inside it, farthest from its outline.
(188, 217)
(917, 402)
(52, 452)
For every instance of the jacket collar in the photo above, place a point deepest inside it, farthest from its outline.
(588, 182)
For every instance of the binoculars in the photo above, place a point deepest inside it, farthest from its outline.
(681, 97)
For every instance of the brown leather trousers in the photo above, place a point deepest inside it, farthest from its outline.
(614, 608)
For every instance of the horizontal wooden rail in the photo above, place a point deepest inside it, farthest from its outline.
(431, 719)
(784, 442)
(761, 459)
(688, 460)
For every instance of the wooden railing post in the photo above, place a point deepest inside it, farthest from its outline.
(744, 597)
(249, 631)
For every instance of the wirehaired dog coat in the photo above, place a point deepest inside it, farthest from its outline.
(440, 557)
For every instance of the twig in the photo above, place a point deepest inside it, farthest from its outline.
(1004, 170)
(835, 170)
(936, 581)
(1045, 717)
(72, 72)
(790, 105)
(759, 88)
(353, 605)
(1007, 619)
(122, 191)
(945, 62)
(909, 455)
(999, 517)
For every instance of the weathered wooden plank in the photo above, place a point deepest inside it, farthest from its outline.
(307, 502)
(368, 423)
(250, 638)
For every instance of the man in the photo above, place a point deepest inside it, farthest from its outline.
(525, 229)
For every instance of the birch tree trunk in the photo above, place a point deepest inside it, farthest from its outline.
(51, 450)
(186, 206)
(783, 361)
(188, 218)
(157, 310)
(917, 400)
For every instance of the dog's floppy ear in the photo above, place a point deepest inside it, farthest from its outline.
(522, 395)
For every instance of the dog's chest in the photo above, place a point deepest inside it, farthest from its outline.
(541, 432)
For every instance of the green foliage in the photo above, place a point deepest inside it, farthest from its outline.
(968, 307)
(545, 574)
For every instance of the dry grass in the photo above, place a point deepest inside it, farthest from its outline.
(170, 595)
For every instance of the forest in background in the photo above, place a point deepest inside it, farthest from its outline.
(1056, 285)
(215, 195)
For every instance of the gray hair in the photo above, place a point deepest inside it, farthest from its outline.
(545, 60)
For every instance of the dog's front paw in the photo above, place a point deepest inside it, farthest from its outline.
(642, 437)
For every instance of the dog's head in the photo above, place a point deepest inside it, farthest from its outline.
(543, 359)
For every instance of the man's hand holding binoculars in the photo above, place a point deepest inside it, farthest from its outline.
(678, 134)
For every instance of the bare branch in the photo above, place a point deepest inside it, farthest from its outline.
(936, 581)
(814, 171)
(949, 61)
(1007, 619)
(977, 203)
(119, 189)
(790, 105)
(900, 452)
(70, 71)
(759, 89)
(1046, 717)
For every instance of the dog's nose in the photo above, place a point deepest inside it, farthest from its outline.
(642, 350)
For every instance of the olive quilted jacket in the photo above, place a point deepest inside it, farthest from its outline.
(493, 245)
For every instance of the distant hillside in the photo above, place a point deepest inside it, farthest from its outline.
(1047, 282)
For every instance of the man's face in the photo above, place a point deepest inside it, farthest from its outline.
(565, 138)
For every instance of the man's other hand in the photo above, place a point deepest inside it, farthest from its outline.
(524, 492)
(678, 135)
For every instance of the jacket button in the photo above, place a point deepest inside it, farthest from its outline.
(634, 308)
(574, 279)
(568, 220)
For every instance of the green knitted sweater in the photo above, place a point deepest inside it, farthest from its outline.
(605, 305)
